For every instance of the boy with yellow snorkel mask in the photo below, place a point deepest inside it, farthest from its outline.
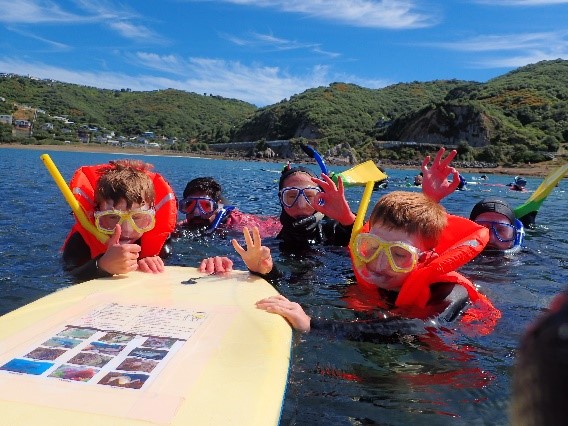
(134, 208)
(404, 260)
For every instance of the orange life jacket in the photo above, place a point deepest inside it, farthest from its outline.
(83, 184)
(461, 241)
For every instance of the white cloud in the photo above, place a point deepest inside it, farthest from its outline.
(26, 12)
(273, 43)
(513, 50)
(53, 45)
(516, 61)
(33, 12)
(521, 2)
(390, 14)
(133, 32)
(546, 41)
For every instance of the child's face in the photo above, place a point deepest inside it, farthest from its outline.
(379, 271)
(200, 209)
(501, 232)
(128, 235)
(301, 207)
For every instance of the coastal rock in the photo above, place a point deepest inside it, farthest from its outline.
(446, 125)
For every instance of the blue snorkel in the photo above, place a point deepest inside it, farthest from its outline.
(312, 153)
(519, 238)
(221, 215)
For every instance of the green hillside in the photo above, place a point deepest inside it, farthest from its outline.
(520, 116)
(170, 113)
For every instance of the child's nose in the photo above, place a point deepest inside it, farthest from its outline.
(381, 262)
(126, 227)
(302, 202)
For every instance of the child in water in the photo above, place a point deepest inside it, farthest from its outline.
(205, 209)
(314, 211)
(309, 206)
(134, 207)
(404, 262)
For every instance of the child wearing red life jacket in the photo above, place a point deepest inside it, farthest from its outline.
(404, 261)
(132, 212)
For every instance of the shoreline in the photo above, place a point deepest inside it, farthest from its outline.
(532, 170)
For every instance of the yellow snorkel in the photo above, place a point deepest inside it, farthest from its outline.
(532, 205)
(71, 200)
(372, 174)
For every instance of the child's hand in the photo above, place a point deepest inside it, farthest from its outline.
(435, 183)
(217, 264)
(334, 204)
(119, 258)
(153, 264)
(256, 256)
(292, 311)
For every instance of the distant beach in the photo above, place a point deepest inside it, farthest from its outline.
(538, 169)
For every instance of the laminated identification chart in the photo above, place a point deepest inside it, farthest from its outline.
(114, 345)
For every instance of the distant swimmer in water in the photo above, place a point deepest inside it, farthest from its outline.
(518, 184)
(418, 179)
(461, 184)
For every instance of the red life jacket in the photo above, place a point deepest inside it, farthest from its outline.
(461, 241)
(83, 184)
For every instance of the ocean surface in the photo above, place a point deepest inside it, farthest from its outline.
(448, 378)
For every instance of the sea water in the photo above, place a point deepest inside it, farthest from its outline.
(448, 377)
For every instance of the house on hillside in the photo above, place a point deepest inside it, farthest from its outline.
(22, 124)
(84, 135)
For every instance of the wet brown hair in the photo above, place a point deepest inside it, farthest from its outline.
(205, 185)
(126, 179)
(412, 212)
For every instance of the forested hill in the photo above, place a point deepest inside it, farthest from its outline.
(519, 116)
(171, 113)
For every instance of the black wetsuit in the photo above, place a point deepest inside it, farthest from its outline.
(380, 326)
(77, 259)
(315, 229)
(446, 303)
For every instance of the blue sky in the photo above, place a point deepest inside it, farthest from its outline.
(264, 51)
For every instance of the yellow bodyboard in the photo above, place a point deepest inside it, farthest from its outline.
(176, 348)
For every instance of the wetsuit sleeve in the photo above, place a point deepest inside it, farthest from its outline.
(272, 277)
(374, 330)
(77, 260)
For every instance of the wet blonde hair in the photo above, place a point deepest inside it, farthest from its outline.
(412, 212)
(128, 180)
